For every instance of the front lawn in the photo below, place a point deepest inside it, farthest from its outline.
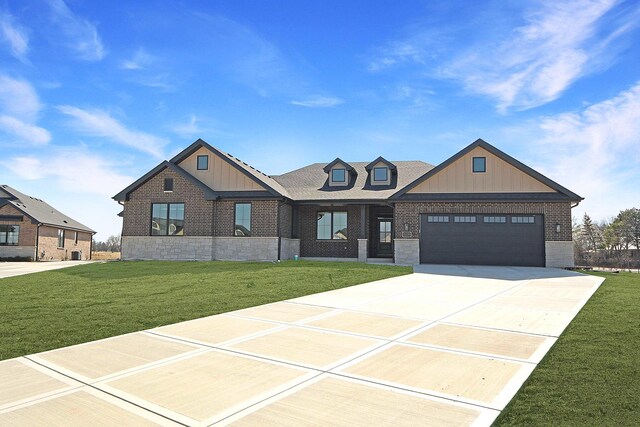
(58, 308)
(591, 376)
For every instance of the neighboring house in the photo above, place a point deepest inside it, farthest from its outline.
(481, 206)
(30, 228)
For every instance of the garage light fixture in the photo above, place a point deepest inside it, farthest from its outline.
(557, 228)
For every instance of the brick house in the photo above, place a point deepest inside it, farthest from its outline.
(480, 206)
(31, 228)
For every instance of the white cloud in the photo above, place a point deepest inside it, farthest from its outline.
(530, 64)
(98, 123)
(189, 128)
(15, 36)
(25, 131)
(318, 102)
(78, 183)
(140, 59)
(595, 152)
(81, 35)
(19, 110)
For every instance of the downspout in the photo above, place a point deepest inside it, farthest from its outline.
(213, 225)
(121, 234)
(278, 230)
(91, 247)
(37, 240)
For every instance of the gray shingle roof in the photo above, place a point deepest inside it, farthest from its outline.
(39, 210)
(308, 183)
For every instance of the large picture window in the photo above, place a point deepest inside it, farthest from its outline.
(9, 235)
(167, 219)
(332, 225)
(243, 220)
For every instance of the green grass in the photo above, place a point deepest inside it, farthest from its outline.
(58, 308)
(591, 376)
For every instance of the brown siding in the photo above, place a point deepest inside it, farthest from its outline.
(500, 177)
(197, 210)
(312, 247)
(28, 230)
(554, 213)
(48, 249)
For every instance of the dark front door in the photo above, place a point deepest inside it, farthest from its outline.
(382, 237)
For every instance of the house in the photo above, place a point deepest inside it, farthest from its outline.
(31, 228)
(481, 206)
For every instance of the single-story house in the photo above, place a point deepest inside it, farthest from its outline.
(31, 228)
(481, 206)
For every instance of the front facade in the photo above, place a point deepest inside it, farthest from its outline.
(481, 206)
(32, 229)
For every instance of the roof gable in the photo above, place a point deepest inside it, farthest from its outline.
(336, 162)
(380, 159)
(506, 175)
(124, 194)
(264, 181)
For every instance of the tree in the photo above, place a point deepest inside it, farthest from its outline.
(629, 223)
(590, 232)
(113, 243)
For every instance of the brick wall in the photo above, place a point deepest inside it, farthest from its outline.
(28, 230)
(554, 213)
(197, 210)
(311, 247)
(285, 218)
(48, 249)
(264, 218)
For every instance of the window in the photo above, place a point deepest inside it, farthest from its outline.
(380, 174)
(332, 225)
(464, 218)
(168, 184)
(495, 219)
(243, 220)
(479, 164)
(522, 219)
(385, 231)
(203, 162)
(9, 235)
(338, 175)
(438, 218)
(60, 238)
(167, 219)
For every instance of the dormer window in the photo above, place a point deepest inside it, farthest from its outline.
(381, 174)
(338, 175)
(341, 175)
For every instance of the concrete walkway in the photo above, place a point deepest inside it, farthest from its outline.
(444, 346)
(10, 269)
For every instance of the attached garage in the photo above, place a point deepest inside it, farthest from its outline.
(482, 239)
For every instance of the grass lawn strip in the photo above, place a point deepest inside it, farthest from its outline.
(59, 308)
(591, 376)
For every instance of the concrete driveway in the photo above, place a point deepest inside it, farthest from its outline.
(447, 345)
(10, 269)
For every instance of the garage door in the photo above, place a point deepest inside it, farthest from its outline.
(482, 239)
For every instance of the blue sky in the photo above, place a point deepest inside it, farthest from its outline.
(94, 94)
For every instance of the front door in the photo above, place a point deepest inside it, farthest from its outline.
(383, 237)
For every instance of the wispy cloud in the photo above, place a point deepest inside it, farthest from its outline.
(141, 59)
(14, 35)
(594, 152)
(318, 102)
(530, 64)
(99, 123)
(19, 110)
(190, 128)
(81, 35)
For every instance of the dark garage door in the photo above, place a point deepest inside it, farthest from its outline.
(482, 239)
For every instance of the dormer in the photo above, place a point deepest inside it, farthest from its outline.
(341, 174)
(380, 172)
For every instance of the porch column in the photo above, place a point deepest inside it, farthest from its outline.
(362, 240)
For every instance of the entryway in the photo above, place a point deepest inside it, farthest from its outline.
(381, 232)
